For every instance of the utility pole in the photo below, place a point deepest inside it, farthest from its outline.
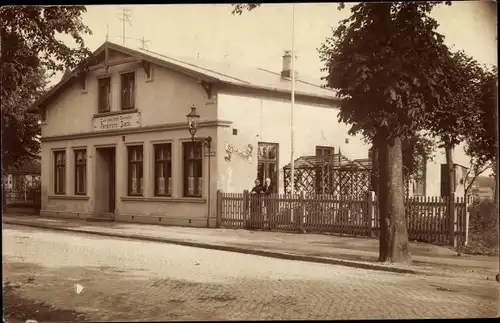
(497, 185)
(292, 141)
(124, 17)
(107, 32)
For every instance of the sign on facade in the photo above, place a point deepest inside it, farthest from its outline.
(122, 121)
(246, 155)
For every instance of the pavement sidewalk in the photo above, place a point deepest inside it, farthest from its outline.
(346, 251)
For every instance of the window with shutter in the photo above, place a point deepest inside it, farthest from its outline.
(127, 90)
(163, 169)
(135, 171)
(193, 169)
(80, 171)
(59, 172)
(104, 95)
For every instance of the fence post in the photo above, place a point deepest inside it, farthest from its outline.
(467, 202)
(246, 216)
(370, 210)
(452, 218)
(302, 212)
(218, 219)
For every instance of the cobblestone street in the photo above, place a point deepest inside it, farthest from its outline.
(134, 280)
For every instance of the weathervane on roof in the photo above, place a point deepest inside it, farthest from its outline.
(144, 43)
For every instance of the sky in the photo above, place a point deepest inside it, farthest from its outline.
(259, 38)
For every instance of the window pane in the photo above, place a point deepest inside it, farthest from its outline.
(168, 166)
(199, 187)
(133, 175)
(272, 152)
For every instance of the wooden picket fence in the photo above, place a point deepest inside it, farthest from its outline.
(429, 219)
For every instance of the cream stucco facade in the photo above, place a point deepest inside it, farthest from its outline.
(162, 104)
(238, 118)
(265, 119)
(230, 115)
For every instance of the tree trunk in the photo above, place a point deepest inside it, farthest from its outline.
(374, 173)
(451, 169)
(393, 244)
(4, 197)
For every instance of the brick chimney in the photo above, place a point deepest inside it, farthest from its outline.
(286, 71)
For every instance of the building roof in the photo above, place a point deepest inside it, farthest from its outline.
(245, 77)
(336, 160)
(485, 182)
(29, 167)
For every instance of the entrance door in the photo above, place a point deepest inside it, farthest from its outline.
(105, 180)
(112, 179)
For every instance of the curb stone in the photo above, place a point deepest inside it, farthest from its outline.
(242, 250)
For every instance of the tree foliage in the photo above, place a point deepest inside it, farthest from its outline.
(479, 136)
(393, 72)
(19, 128)
(456, 112)
(417, 151)
(385, 60)
(31, 48)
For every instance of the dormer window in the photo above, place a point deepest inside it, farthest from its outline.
(128, 91)
(104, 93)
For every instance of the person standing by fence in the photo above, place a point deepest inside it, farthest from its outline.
(255, 206)
(268, 191)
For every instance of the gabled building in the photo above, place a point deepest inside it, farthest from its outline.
(115, 139)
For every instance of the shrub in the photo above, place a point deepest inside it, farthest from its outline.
(483, 228)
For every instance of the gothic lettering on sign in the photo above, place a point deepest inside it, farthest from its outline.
(130, 120)
(246, 154)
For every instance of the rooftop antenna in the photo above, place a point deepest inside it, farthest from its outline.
(144, 43)
(124, 18)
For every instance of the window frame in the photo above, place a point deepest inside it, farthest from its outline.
(82, 166)
(165, 162)
(123, 104)
(330, 149)
(139, 163)
(59, 167)
(265, 162)
(197, 160)
(100, 93)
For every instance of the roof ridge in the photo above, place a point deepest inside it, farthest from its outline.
(299, 80)
(197, 66)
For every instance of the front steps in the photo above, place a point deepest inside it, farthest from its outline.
(103, 217)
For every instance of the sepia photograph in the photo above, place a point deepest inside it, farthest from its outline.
(250, 161)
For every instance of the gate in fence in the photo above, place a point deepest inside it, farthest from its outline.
(429, 219)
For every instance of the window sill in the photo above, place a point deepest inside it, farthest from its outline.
(68, 197)
(165, 199)
(113, 113)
